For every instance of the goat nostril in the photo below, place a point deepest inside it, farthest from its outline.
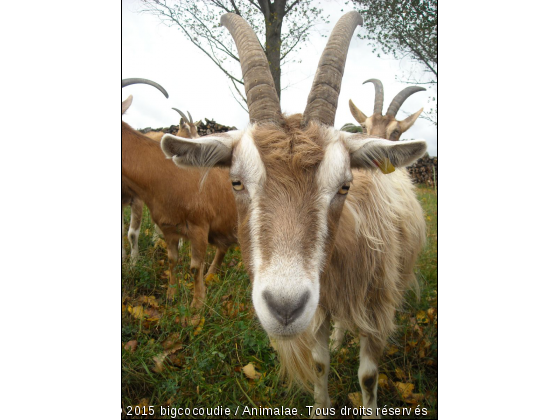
(286, 312)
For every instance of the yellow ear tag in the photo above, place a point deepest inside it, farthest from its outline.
(386, 166)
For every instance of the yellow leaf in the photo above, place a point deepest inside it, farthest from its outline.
(432, 313)
(392, 349)
(209, 279)
(405, 390)
(400, 373)
(150, 300)
(421, 317)
(383, 381)
(250, 372)
(147, 232)
(356, 399)
(414, 398)
(199, 327)
(137, 312)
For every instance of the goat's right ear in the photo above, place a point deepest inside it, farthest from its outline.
(126, 104)
(208, 151)
(356, 113)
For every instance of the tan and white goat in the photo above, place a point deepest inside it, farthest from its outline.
(180, 206)
(386, 126)
(128, 198)
(324, 233)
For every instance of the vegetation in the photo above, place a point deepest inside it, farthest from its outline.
(224, 359)
(405, 28)
(282, 27)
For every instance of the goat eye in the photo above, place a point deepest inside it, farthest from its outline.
(344, 189)
(237, 185)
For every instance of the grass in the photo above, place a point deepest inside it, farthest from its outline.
(176, 364)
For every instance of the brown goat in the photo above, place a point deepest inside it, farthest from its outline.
(324, 233)
(187, 128)
(386, 126)
(128, 197)
(180, 206)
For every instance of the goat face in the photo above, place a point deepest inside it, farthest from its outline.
(386, 126)
(290, 185)
(290, 176)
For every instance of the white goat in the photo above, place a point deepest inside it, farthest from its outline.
(324, 233)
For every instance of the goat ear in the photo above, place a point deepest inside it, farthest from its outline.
(208, 151)
(372, 152)
(126, 104)
(356, 113)
(409, 121)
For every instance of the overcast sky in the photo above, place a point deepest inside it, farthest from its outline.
(154, 51)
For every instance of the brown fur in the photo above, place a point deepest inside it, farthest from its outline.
(178, 205)
(384, 126)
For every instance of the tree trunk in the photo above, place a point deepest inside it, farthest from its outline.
(272, 48)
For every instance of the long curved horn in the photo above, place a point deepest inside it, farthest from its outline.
(323, 98)
(397, 102)
(378, 105)
(262, 99)
(190, 118)
(127, 82)
(181, 114)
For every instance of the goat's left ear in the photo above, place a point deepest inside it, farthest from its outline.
(408, 121)
(208, 151)
(372, 152)
(126, 104)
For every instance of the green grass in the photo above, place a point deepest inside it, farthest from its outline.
(203, 365)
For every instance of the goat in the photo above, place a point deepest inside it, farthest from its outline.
(128, 197)
(324, 234)
(187, 128)
(179, 207)
(386, 126)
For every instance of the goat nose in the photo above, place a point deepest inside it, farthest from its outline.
(285, 312)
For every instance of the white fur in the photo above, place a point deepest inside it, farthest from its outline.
(367, 368)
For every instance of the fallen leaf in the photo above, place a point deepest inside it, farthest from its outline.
(250, 372)
(173, 343)
(432, 314)
(392, 349)
(233, 262)
(400, 373)
(405, 390)
(131, 346)
(153, 314)
(137, 312)
(177, 359)
(356, 399)
(210, 278)
(144, 402)
(150, 300)
(422, 317)
(158, 360)
(383, 381)
(414, 398)
(199, 327)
